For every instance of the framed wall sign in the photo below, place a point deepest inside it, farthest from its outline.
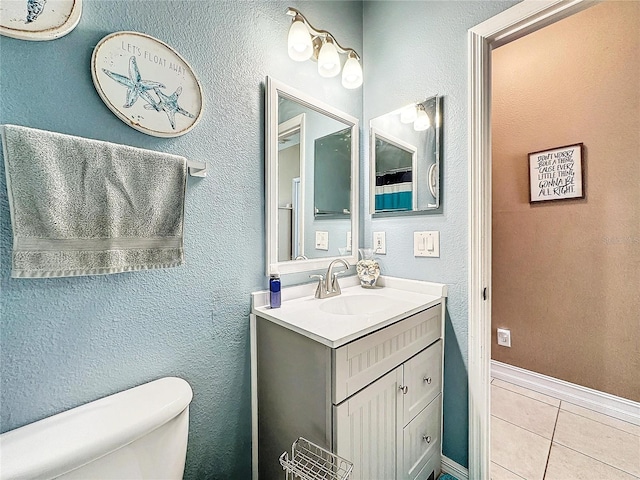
(38, 19)
(556, 174)
(146, 84)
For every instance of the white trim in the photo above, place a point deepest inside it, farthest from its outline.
(453, 468)
(253, 342)
(611, 405)
(513, 23)
(275, 90)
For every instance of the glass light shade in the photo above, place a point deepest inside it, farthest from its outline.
(299, 42)
(328, 60)
(408, 114)
(422, 121)
(352, 73)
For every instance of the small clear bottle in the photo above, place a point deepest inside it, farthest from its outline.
(274, 288)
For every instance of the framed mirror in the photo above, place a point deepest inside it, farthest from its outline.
(404, 156)
(311, 181)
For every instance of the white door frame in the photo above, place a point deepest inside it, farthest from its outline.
(517, 21)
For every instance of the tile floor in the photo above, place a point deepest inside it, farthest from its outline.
(536, 437)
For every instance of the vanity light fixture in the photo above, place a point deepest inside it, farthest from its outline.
(306, 42)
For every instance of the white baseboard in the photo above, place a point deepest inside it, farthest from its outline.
(453, 468)
(601, 402)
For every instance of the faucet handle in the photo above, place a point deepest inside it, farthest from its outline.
(319, 292)
(335, 285)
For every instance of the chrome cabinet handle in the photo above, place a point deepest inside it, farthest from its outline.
(427, 438)
(404, 389)
(428, 380)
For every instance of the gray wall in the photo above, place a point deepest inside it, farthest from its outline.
(72, 340)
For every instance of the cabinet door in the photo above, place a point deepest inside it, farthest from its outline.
(366, 429)
(423, 378)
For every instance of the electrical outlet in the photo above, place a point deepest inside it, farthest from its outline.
(504, 337)
(379, 243)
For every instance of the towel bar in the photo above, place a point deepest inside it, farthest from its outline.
(197, 169)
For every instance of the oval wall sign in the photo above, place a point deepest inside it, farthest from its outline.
(147, 84)
(38, 19)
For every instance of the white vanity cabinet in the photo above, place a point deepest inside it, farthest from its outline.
(375, 400)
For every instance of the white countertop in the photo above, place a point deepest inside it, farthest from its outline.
(300, 310)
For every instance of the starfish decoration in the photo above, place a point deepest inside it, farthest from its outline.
(169, 104)
(34, 9)
(136, 87)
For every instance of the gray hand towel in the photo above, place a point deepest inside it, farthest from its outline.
(86, 207)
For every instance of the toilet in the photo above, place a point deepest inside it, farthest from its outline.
(140, 433)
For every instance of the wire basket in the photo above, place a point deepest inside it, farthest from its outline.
(308, 461)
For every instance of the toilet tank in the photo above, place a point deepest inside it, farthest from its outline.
(140, 433)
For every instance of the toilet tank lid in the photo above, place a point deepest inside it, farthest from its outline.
(68, 440)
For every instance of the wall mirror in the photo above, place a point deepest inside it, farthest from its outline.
(311, 181)
(404, 158)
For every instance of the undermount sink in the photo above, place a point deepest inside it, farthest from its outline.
(355, 305)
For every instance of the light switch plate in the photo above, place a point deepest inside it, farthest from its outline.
(379, 243)
(426, 244)
(322, 240)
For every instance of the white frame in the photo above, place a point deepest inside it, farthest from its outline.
(396, 142)
(275, 89)
(513, 23)
(297, 123)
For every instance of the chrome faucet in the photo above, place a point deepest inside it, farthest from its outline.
(328, 285)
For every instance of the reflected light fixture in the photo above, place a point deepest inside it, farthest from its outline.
(422, 121)
(306, 42)
(408, 114)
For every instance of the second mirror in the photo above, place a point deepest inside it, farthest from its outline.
(405, 159)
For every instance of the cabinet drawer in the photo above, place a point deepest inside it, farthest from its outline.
(421, 439)
(431, 470)
(360, 362)
(423, 378)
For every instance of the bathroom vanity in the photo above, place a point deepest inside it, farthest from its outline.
(359, 374)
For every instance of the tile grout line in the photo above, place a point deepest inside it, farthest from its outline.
(596, 460)
(597, 421)
(527, 396)
(510, 471)
(553, 434)
(522, 428)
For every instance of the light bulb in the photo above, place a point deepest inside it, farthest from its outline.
(328, 60)
(299, 42)
(408, 114)
(352, 73)
(422, 121)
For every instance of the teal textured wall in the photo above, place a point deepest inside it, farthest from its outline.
(65, 342)
(68, 341)
(415, 50)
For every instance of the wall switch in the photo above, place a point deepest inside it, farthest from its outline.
(504, 337)
(379, 243)
(322, 240)
(426, 244)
